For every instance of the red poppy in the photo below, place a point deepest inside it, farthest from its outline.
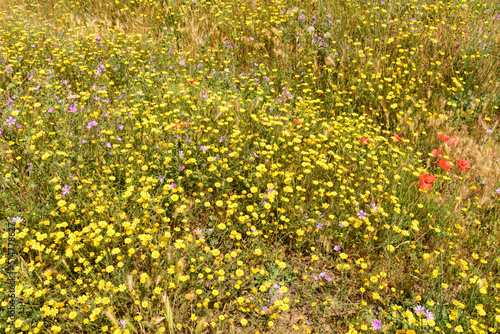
(436, 152)
(454, 140)
(445, 164)
(443, 137)
(296, 121)
(398, 138)
(320, 94)
(425, 181)
(193, 81)
(463, 164)
(365, 141)
(180, 125)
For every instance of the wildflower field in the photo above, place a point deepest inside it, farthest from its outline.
(216, 166)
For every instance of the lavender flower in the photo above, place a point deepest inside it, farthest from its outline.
(122, 324)
(91, 124)
(419, 309)
(65, 190)
(361, 214)
(341, 224)
(376, 324)
(11, 121)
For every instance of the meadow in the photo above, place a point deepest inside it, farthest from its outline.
(260, 166)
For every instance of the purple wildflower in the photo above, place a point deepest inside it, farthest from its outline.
(419, 309)
(203, 148)
(17, 219)
(319, 226)
(122, 324)
(337, 248)
(65, 190)
(361, 214)
(429, 315)
(11, 121)
(376, 324)
(91, 124)
(341, 224)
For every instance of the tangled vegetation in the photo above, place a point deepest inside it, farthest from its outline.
(250, 166)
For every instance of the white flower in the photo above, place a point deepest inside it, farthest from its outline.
(327, 35)
(310, 29)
